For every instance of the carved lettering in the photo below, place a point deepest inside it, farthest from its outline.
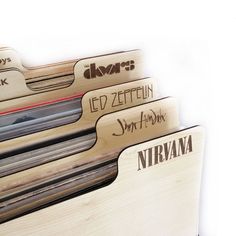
(164, 152)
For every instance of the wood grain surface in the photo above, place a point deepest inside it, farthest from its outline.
(55, 82)
(89, 117)
(161, 199)
(106, 142)
(28, 184)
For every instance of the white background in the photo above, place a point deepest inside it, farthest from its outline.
(189, 46)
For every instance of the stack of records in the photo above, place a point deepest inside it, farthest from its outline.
(90, 147)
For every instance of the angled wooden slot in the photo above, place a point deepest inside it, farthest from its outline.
(94, 104)
(16, 93)
(156, 192)
(32, 188)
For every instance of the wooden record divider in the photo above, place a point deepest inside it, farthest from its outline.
(61, 71)
(94, 104)
(156, 192)
(10, 59)
(23, 88)
(25, 190)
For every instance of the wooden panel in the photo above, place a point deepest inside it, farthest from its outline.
(159, 199)
(94, 104)
(139, 124)
(89, 73)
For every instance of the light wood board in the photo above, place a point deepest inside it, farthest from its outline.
(94, 104)
(143, 122)
(161, 199)
(106, 70)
